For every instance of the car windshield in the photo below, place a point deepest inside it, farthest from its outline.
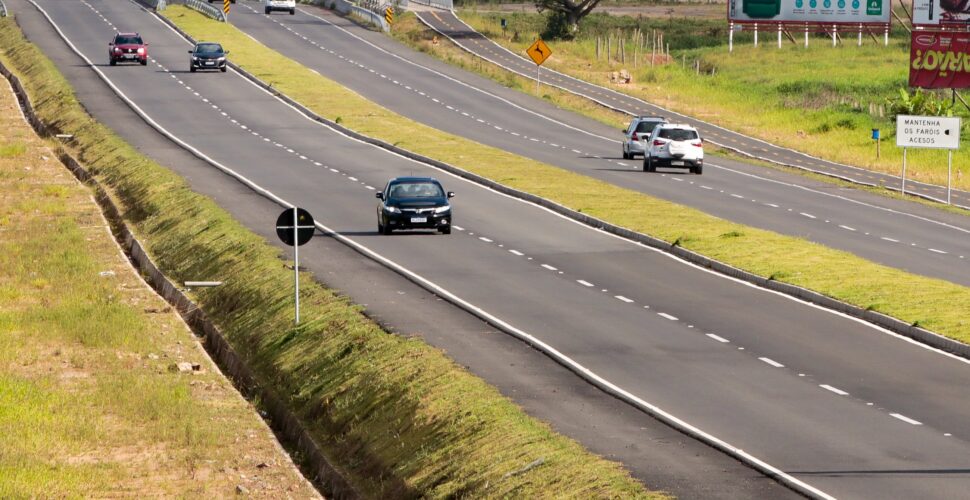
(128, 40)
(678, 134)
(646, 127)
(208, 48)
(416, 190)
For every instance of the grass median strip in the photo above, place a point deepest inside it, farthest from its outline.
(398, 418)
(88, 404)
(933, 304)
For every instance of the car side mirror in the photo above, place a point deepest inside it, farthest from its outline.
(226, 52)
(190, 52)
(451, 194)
(379, 195)
(110, 44)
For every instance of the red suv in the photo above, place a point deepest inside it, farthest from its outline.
(127, 47)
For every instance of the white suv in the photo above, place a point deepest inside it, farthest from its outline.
(677, 146)
(287, 5)
(637, 135)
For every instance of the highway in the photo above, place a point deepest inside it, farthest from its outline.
(834, 404)
(451, 26)
(901, 234)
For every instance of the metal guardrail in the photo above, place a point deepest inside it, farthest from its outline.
(205, 8)
(441, 4)
(345, 7)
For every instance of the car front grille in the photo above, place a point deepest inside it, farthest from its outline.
(418, 211)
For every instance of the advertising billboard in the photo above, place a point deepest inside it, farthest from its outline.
(939, 60)
(811, 11)
(941, 12)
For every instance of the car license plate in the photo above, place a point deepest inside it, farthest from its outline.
(128, 56)
(209, 63)
(419, 220)
(677, 163)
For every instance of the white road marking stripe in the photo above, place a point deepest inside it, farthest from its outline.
(547, 266)
(772, 362)
(810, 216)
(624, 299)
(718, 338)
(906, 419)
(352, 178)
(486, 240)
(577, 151)
(737, 196)
(772, 205)
(516, 252)
(622, 164)
(840, 392)
(847, 228)
(459, 228)
(665, 315)
(937, 251)
(889, 239)
(370, 187)
(706, 187)
(584, 283)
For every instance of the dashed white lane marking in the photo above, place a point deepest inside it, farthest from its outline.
(370, 187)
(706, 187)
(547, 266)
(514, 252)
(486, 240)
(847, 228)
(577, 151)
(334, 170)
(772, 205)
(620, 163)
(624, 299)
(737, 196)
(718, 338)
(772, 362)
(840, 392)
(906, 419)
(889, 239)
(810, 216)
(459, 228)
(584, 283)
(665, 315)
(937, 251)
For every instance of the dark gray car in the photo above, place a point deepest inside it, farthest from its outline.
(208, 55)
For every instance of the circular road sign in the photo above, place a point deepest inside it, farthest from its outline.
(303, 226)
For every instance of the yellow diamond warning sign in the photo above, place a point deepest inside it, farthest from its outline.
(539, 52)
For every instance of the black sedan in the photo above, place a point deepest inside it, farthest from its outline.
(414, 203)
(208, 55)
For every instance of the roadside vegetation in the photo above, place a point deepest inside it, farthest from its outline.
(398, 418)
(934, 304)
(89, 405)
(821, 100)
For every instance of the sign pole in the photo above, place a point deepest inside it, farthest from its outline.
(949, 173)
(730, 38)
(904, 170)
(296, 265)
(806, 36)
(755, 34)
(538, 68)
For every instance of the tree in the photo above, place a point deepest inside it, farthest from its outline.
(566, 14)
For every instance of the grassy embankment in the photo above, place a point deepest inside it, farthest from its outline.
(398, 417)
(820, 100)
(88, 406)
(933, 304)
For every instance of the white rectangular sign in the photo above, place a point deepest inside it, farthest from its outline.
(938, 132)
(810, 11)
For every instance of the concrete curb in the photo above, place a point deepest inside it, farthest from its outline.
(285, 424)
(892, 324)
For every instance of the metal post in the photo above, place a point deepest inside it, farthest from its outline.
(885, 37)
(730, 37)
(904, 170)
(860, 35)
(806, 36)
(949, 173)
(834, 34)
(779, 36)
(755, 34)
(296, 263)
(538, 67)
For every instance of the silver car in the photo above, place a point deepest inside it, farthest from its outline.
(637, 135)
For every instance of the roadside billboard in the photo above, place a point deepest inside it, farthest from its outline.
(931, 12)
(825, 12)
(939, 60)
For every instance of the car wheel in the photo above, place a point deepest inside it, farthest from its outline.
(292, 11)
(191, 69)
(699, 169)
(267, 10)
(386, 229)
(144, 62)
(223, 69)
(626, 156)
(445, 229)
(112, 62)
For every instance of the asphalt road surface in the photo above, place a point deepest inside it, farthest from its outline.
(838, 405)
(901, 234)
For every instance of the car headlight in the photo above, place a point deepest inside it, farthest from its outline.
(141, 50)
(195, 58)
(393, 210)
(442, 209)
(221, 59)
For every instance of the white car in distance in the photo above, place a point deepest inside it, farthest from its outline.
(674, 145)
